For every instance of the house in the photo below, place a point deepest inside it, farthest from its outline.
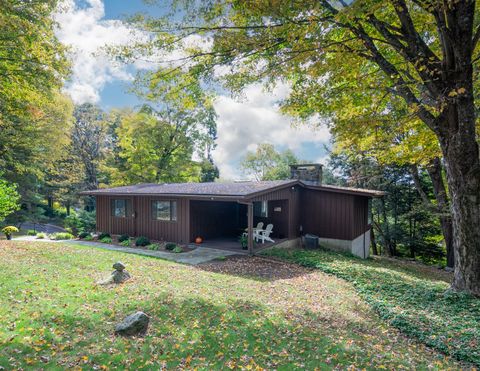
(180, 212)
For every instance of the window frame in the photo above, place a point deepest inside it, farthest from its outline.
(173, 211)
(126, 208)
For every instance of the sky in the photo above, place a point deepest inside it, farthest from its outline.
(87, 26)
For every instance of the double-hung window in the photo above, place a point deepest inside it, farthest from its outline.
(164, 210)
(121, 208)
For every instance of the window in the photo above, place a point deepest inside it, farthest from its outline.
(164, 210)
(260, 209)
(121, 208)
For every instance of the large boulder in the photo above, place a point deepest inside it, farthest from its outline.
(134, 324)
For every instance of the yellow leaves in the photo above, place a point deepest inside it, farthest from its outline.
(455, 92)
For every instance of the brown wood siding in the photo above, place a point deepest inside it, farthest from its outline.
(143, 224)
(291, 224)
(333, 215)
(173, 231)
(108, 223)
(360, 216)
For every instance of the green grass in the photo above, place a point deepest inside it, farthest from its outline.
(232, 314)
(413, 298)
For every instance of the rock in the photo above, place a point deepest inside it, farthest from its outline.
(134, 324)
(449, 269)
(119, 266)
(120, 276)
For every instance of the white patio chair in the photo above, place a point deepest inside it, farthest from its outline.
(264, 235)
(259, 227)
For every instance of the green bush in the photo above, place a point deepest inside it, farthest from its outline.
(125, 243)
(170, 246)
(102, 235)
(177, 249)
(153, 246)
(84, 235)
(62, 236)
(142, 241)
(82, 221)
(123, 237)
(31, 232)
(41, 236)
(88, 238)
(106, 240)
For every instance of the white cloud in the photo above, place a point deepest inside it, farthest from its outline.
(242, 125)
(84, 30)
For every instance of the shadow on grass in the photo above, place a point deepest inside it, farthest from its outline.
(418, 306)
(254, 268)
(183, 333)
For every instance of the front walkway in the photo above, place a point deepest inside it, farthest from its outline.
(197, 256)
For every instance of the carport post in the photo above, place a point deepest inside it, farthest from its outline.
(250, 228)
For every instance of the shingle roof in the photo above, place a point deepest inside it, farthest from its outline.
(229, 190)
(239, 189)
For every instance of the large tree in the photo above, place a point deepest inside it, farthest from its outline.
(422, 51)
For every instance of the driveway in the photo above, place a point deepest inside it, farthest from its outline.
(198, 256)
(39, 227)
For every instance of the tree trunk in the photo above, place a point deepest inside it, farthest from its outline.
(386, 236)
(455, 129)
(374, 243)
(443, 204)
(463, 172)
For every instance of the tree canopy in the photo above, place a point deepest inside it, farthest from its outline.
(351, 60)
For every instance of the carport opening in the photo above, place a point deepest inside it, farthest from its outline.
(223, 222)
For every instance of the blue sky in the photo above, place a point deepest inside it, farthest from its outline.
(89, 25)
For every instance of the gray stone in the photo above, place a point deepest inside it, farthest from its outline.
(119, 266)
(134, 324)
(120, 276)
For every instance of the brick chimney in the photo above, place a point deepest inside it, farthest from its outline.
(307, 172)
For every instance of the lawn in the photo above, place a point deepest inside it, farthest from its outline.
(414, 298)
(241, 313)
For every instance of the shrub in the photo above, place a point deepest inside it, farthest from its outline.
(41, 236)
(9, 230)
(170, 246)
(62, 236)
(123, 237)
(82, 221)
(83, 235)
(102, 235)
(153, 246)
(125, 243)
(106, 240)
(177, 249)
(142, 241)
(88, 238)
(72, 231)
(31, 232)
